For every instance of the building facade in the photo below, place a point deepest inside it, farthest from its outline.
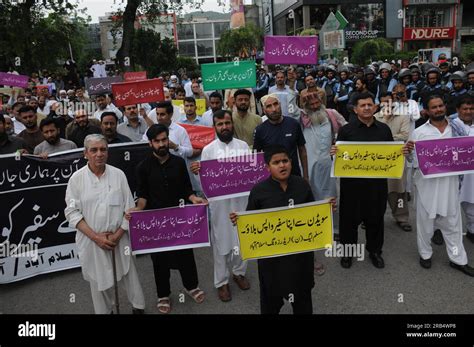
(199, 33)
(430, 24)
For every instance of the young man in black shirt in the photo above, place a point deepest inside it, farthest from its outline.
(289, 275)
(163, 181)
(363, 199)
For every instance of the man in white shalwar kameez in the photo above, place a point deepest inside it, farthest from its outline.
(465, 110)
(223, 236)
(97, 197)
(437, 199)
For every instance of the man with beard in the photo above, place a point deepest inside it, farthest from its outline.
(437, 199)
(163, 181)
(320, 126)
(9, 144)
(80, 128)
(32, 135)
(9, 127)
(223, 235)
(311, 87)
(62, 119)
(52, 143)
(244, 122)
(343, 88)
(329, 86)
(33, 103)
(135, 128)
(108, 121)
(363, 199)
(278, 129)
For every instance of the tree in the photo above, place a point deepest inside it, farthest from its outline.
(467, 52)
(309, 32)
(366, 51)
(240, 42)
(36, 34)
(152, 9)
(152, 53)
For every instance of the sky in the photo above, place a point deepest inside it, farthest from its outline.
(98, 8)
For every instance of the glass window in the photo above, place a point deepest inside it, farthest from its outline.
(204, 31)
(185, 32)
(187, 49)
(428, 17)
(205, 48)
(219, 28)
(366, 21)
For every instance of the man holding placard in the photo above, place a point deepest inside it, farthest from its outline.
(223, 236)
(289, 277)
(163, 181)
(437, 198)
(363, 199)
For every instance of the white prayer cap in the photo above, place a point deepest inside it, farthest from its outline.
(266, 97)
(62, 91)
(173, 77)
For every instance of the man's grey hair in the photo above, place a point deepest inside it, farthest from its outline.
(94, 138)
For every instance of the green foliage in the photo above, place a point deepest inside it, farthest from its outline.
(36, 34)
(187, 64)
(152, 53)
(467, 52)
(309, 32)
(366, 51)
(240, 42)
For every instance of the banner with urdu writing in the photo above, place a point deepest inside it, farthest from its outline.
(32, 192)
(368, 160)
(232, 75)
(445, 157)
(285, 230)
(169, 229)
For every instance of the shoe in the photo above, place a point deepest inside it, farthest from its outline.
(224, 293)
(138, 310)
(346, 262)
(463, 268)
(377, 260)
(242, 282)
(404, 226)
(319, 268)
(437, 237)
(470, 236)
(425, 263)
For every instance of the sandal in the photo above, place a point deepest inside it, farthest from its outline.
(404, 226)
(197, 294)
(164, 305)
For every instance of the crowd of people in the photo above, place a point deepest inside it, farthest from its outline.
(294, 115)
